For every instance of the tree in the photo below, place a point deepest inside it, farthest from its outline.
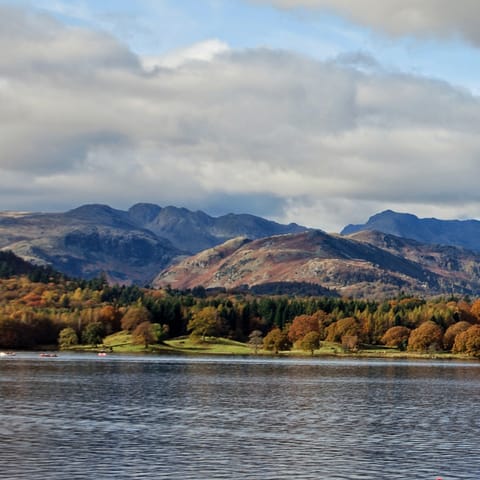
(276, 340)
(255, 340)
(204, 322)
(452, 332)
(109, 317)
(396, 337)
(145, 334)
(468, 341)
(344, 327)
(67, 338)
(93, 334)
(475, 309)
(428, 336)
(134, 316)
(310, 342)
(302, 325)
(14, 333)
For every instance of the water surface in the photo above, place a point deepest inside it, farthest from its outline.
(123, 417)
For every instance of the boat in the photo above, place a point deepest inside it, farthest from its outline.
(48, 355)
(102, 354)
(7, 354)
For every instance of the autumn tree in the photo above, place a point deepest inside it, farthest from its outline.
(463, 312)
(145, 334)
(134, 316)
(452, 332)
(428, 336)
(109, 316)
(468, 341)
(302, 325)
(396, 337)
(323, 321)
(204, 322)
(276, 340)
(344, 327)
(310, 342)
(475, 309)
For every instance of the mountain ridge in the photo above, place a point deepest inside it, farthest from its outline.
(127, 245)
(347, 266)
(183, 248)
(459, 233)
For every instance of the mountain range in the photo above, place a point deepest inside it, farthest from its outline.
(128, 246)
(459, 233)
(366, 264)
(392, 252)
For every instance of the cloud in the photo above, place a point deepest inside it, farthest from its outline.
(318, 143)
(403, 17)
(202, 51)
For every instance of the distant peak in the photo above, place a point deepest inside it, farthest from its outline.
(390, 214)
(91, 208)
(144, 212)
(144, 205)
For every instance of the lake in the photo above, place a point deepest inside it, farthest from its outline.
(79, 416)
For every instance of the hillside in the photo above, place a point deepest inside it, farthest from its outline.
(128, 246)
(86, 242)
(13, 266)
(459, 233)
(348, 266)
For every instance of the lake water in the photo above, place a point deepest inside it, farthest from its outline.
(121, 417)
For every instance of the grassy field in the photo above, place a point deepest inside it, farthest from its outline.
(121, 342)
(219, 346)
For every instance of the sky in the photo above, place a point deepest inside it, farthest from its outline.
(319, 112)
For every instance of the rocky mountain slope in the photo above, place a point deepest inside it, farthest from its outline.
(129, 246)
(234, 251)
(460, 233)
(367, 264)
(196, 231)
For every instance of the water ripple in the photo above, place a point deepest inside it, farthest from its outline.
(219, 419)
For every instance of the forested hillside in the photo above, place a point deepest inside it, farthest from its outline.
(64, 312)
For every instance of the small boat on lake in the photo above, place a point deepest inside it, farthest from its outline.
(48, 355)
(102, 354)
(7, 354)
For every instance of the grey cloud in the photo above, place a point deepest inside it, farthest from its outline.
(357, 60)
(322, 141)
(403, 17)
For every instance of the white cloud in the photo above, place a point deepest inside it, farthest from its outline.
(203, 51)
(325, 142)
(403, 17)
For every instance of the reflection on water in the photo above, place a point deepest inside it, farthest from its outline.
(82, 417)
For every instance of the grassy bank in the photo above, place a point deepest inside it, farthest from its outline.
(122, 343)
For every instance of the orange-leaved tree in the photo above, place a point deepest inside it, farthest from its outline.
(344, 327)
(468, 341)
(427, 337)
(452, 332)
(396, 337)
(302, 325)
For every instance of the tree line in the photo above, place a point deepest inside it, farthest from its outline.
(67, 312)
